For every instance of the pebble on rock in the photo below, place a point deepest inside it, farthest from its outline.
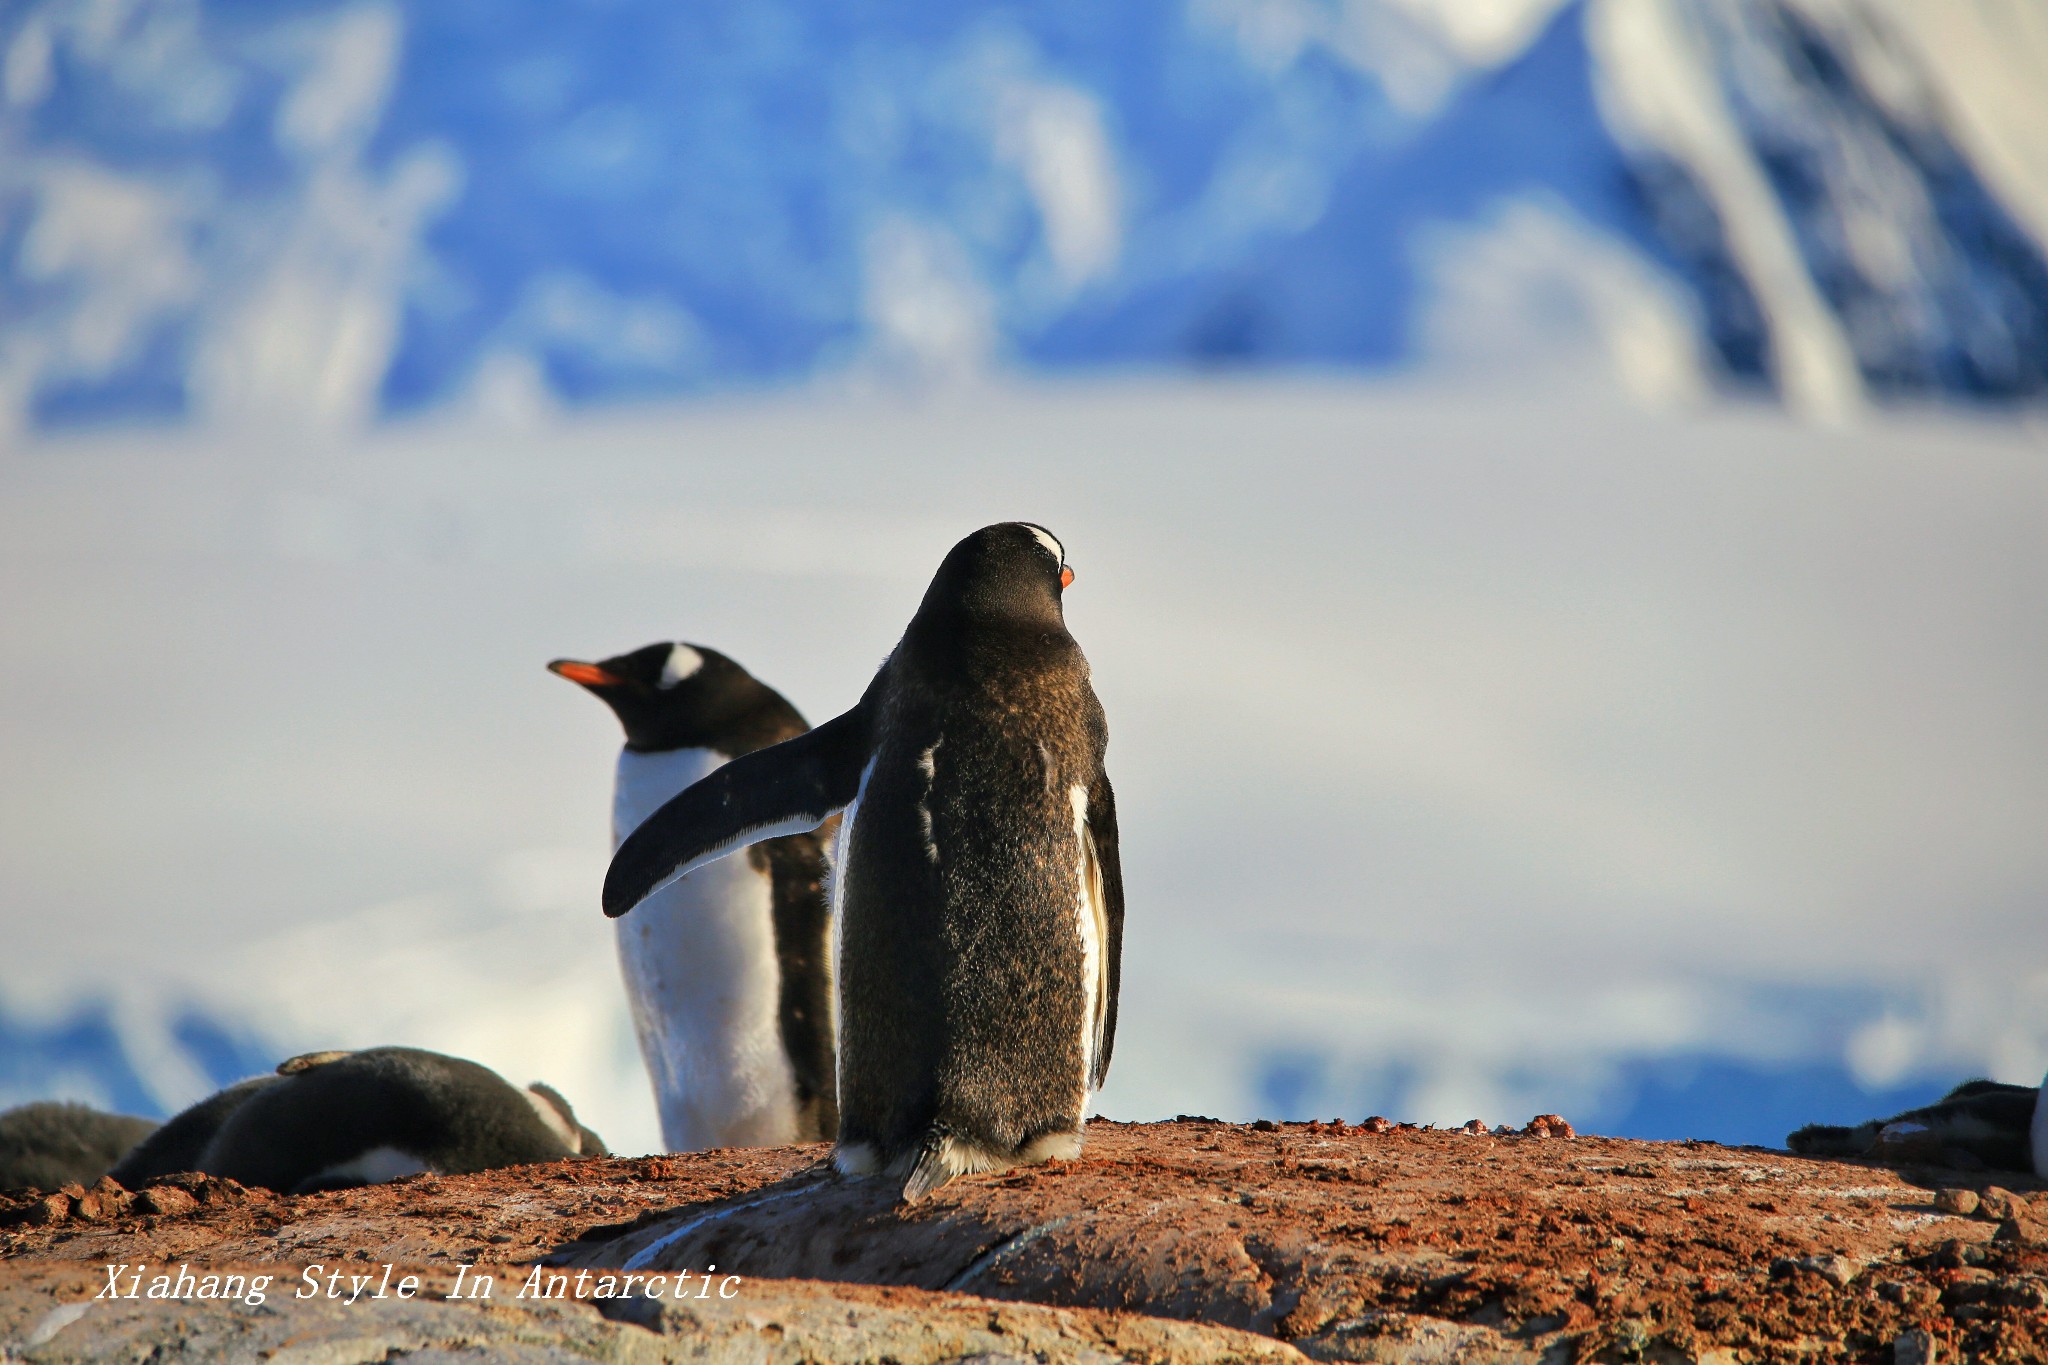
(1956, 1199)
(1549, 1125)
(165, 1199)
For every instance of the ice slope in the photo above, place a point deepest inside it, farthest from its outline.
(331, 211)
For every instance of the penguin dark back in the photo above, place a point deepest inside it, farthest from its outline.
(331, 1120)
(978, 889)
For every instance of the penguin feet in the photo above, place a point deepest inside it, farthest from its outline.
(856, 1159)
(944, 1158)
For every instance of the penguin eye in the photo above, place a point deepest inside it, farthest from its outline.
(682, 662)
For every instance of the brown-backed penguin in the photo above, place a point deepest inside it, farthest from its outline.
(977, 890)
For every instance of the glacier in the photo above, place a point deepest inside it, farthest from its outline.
(342, 210)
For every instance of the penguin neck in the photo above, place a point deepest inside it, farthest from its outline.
(646, 780)
(949, 640)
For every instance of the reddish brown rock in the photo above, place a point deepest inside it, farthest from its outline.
(166, 1200)
(1345, 1241)
(1957, 1200)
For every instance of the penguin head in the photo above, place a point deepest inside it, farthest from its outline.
(1014, 569)
(674, 695)
(555, 1112)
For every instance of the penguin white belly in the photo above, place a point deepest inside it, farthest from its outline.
(1091, 924)
(378, 1166)
(2040, 1133)
(704, 982)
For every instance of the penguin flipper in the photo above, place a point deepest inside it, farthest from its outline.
(787, 788)
(1109, 898)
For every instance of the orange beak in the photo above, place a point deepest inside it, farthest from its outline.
(590, 675)
(1066, 577)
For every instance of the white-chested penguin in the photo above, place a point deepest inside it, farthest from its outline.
(333, 1120)
(727, 970)
(977, 889)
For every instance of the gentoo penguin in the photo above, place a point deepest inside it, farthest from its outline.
(1989, 1123)
(52, 1143)
(184, 1136)
(726, 969)
(333, 1120)
(977, 892)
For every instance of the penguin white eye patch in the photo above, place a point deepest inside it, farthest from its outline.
(1052, 547)
(682, 662)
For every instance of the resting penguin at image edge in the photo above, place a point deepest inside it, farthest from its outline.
(52, 1143)
(334, 1120)
(2001, 1126)
(725, 969)
(2040, 1132)
(976, 894)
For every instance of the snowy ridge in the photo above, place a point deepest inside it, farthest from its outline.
(354, 209)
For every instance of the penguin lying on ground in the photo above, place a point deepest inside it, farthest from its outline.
(178, 1144)
(52, 1143)
(977, 890)
(725, 969)
(1985, 1122)
(334, 1120)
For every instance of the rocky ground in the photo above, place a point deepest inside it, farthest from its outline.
(1185, 1241)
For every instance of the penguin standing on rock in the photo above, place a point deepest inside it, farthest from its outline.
(977, 891)
(727, 969)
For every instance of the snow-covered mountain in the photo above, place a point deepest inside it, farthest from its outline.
(330, 211)
(253, 218)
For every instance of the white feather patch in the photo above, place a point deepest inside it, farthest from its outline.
(556, 1124)
(683, 661)
(376, 1167)
(928, 764)
(1052, 547)
(841, 868)
(1091, 922)
(2041, 1132)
